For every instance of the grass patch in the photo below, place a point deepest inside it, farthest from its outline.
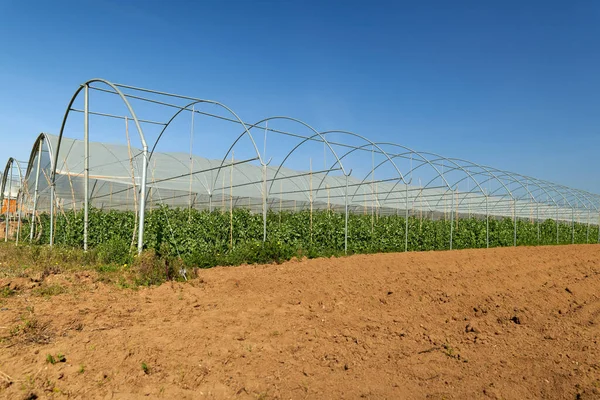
(49, 290)
(7, 292)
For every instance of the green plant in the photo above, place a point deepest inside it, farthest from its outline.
(55, 359)
(7, 292)
(50, 290)
(145, 368)
(180, 240)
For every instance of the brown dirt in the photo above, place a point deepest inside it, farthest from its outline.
(506, 323)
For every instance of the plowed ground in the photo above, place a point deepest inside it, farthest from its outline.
(511, 323)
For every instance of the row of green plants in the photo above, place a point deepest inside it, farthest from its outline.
(206, 239)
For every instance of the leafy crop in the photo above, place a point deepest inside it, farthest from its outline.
(202, 239)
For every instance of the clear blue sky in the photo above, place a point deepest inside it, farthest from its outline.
(512, 84)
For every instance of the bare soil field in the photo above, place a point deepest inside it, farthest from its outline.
(509, 323)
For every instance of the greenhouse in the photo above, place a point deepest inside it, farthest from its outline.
(139, 150)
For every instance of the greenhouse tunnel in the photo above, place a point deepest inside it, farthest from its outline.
(309, 169)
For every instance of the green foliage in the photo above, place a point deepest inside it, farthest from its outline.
(180, 239)
(50, 359)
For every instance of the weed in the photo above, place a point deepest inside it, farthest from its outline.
(49, 290)
(449, 351)
(81, 369)
(50, 359)
(7, 292)
(145, 368)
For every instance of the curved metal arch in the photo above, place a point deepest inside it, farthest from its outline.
(362, 148)
(369, 142)
(256, 125)
(512, 175)
(432, 162)
(428, 162)
(67, 112)
(501, 197)
(34, 151)
(197, 101)
(342, 157)
(548, 184)
(491, 175)
(573, 192)
(491, 172)
(423, 163)
(285, 159)
(424, 160)
(11, 161)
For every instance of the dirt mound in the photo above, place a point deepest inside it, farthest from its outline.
(511, 323)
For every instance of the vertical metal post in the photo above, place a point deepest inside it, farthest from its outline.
(537, 218)
(86, 165)
(143, 198)
(264, 202)
(346, 217)
(52, 194)
(572, 225)
(406, 220)
(191, 163)
(557, 232)
(452, 220)
(7, 215)
(35, 193)
(487, 223)
(587, 234)
(515, 222)
(18, 210)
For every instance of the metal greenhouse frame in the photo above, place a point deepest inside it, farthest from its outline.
(358, 174)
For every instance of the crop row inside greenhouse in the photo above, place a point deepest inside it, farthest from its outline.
(190, 179)
(205, 239)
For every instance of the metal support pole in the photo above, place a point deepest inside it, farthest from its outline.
(86, 165)
(587, 234)
(264, 202)
(35, 193)
(143, 198)
(346, 217)
(52, 213)
(572, 225)
(406, 221)
(452, 220)
(487, 224)
(557, 232)
(537, 218)
(18, 210)
(7, 215)
(515, 222)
